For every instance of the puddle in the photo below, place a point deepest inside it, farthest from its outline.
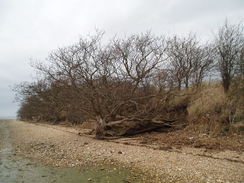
(23, 171)
(15, 169)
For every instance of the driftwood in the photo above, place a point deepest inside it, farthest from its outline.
(171, 118)
(129, 127)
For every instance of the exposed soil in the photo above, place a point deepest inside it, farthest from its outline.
(159, 157)
(168, 138)
(187, 138)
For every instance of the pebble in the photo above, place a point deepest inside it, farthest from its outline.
(139, 157)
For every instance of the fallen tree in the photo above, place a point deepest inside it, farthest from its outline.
(174, 117)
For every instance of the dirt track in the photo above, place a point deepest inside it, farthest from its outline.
(61, 146)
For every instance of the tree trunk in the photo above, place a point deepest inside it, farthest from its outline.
(226, 83)
(174, 117)
(99, 130)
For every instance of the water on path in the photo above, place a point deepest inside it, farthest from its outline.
(15, 169)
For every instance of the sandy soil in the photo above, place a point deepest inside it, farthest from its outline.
(62, 146)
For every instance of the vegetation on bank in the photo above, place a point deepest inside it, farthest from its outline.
(143, 79)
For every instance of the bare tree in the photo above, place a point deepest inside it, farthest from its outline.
(240, 64)
(188, 60)
(122, 81)
(229, 44)
(41, 100)
(203, 64)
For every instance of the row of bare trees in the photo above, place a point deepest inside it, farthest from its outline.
(229, 48)
(189, 61)
(126, 79)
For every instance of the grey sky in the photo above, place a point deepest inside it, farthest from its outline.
(30, 29)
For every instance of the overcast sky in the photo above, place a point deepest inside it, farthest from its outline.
(30, 29)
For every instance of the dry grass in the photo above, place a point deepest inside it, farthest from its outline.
(212, 111)
(209, 99)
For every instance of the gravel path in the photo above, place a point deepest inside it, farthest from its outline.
(63, 147)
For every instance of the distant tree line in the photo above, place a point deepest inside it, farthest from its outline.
(132, 78)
